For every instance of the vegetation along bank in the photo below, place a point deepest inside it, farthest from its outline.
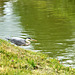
(17, 61)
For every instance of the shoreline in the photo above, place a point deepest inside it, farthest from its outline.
(15, 60)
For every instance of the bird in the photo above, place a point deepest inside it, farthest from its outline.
(20, 41)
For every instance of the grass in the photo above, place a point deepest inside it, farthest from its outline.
(18, 61)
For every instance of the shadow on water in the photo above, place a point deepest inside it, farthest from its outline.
(50, 22)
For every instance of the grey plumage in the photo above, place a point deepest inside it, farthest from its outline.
(20, 41)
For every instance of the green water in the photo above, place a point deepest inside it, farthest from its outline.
(51, 23)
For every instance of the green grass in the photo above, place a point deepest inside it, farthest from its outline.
(17, 61)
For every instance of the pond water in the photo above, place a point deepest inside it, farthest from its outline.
(51, 23)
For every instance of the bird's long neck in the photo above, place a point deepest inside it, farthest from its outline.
(27, 43)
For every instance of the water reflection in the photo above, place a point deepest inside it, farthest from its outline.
(10, 25)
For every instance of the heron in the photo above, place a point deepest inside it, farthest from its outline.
(20, 41)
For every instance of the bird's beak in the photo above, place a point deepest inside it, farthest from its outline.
(33, 40)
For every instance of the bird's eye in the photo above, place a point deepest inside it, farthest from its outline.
(29, 38)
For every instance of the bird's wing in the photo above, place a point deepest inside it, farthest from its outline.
(18, 41)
